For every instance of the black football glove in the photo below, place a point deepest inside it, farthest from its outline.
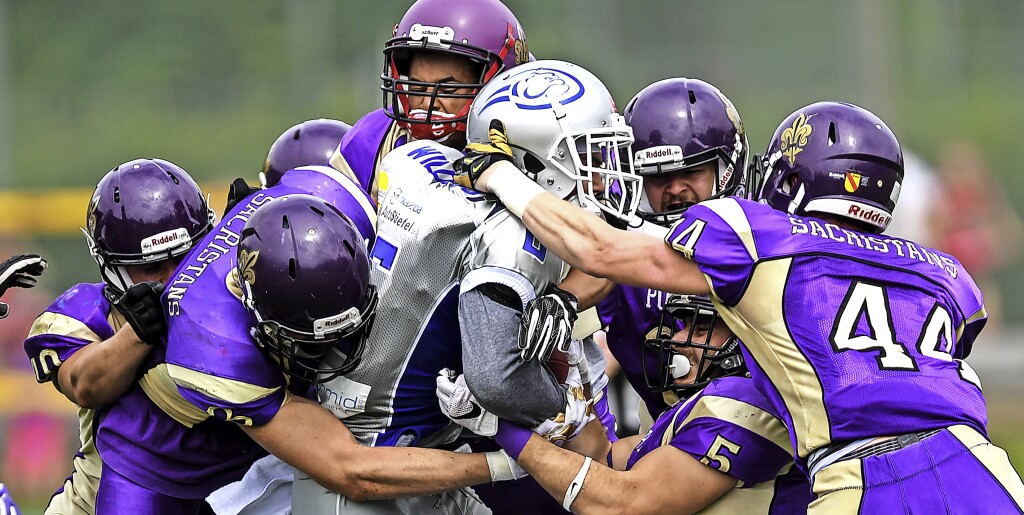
(547, 325)
(19, 272)
(237, 192)
(480, 156)
(140, 305)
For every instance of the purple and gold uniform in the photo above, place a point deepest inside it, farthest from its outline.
(730, 427)
(80, 316)
(173, 440)
(854, 339)
(364, 146)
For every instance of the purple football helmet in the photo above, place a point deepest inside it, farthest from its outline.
(663, 361)
(308, 143)
(142, 212)
(680, 123)
(305, 280)
(834, 158)
(483, 31)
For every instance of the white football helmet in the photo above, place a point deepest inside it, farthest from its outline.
(564, 132)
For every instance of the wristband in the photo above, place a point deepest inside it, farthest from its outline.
(513, 188)
(576, 485)
(512, 437)
(498, 464)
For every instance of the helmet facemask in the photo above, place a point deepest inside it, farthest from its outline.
(398, 87)
(668, 360)
(299, 353)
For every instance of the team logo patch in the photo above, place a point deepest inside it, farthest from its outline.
(852, 182)
(794, 138)
(246, 261)
(537, 89)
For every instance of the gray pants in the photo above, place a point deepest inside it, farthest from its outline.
(309, 498)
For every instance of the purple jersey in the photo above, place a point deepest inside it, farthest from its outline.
(174, 441)
(849, 335)
(730, 427)
(78, 317)
(364, 146)
(633, 315)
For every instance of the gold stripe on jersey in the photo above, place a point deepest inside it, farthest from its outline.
(978, 315)
(163, 391)
(230, 390)
(742, 414)
(994, 459)
(62, 325)
(759, 323)
(339, 163)
(731, 212)
(838, 488)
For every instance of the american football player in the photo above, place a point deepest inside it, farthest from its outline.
(440, 54)
(723, 436)
(454, 271)
(144, 215)
(219, 391)
(856, 339)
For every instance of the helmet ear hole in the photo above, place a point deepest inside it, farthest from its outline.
(533, 164)
(788, 184)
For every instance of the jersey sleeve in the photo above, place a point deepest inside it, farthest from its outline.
(76, 318)
(225, 376)
(358, 150)
(717, 236)
(722, 430)
(503, 251)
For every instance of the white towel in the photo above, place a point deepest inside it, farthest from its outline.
(265, 489)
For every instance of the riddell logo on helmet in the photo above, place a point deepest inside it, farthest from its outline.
(165, 240)
(659, 154)
(872, 216)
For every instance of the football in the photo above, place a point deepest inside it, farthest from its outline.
(558, 363)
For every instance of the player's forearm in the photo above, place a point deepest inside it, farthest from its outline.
(604, 490)
(391, 472)
(587, 289)
(309, 438)
(102, 371)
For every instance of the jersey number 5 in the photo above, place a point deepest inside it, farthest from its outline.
(871, 301)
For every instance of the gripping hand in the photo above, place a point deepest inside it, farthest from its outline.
(7, 505)
(480, 156)
(237, 192)
(459, 404)
(579, 410)
(19, 272)
(547, 325)
(140, 305)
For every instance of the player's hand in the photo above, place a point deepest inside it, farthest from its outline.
(480, 156)
(140, 305)
(7, 505)
(547, 325)
(237, 192)
(459, 404)
(19, 272)
(579, 410)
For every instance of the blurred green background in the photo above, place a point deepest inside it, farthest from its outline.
(85, 86)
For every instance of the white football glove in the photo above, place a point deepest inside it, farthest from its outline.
(458, 403)
(547, 325)
(579, 410)
(7, 506)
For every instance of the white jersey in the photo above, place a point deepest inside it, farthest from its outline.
(435, 239)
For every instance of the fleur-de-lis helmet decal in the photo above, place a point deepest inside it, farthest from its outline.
(794, 138)
(246, 260)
